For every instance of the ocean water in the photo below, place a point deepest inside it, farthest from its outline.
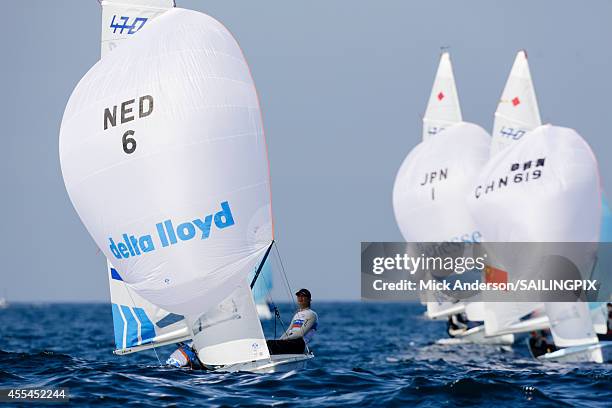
(367, 354)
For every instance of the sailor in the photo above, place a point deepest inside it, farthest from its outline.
(184, 356)
(457, 324)
(301, 330)
(539, 345)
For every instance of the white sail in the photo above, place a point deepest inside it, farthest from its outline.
(230, 333)
(475, 311)
(443, 108)
(517, 111)
(547, 187)
(121, 19)
(512, 318)
(138, 324)
(430, 188)
(571, 323)
(163, 156)
(599, 316)
(432, 182)
(443, 310)
(137, 13)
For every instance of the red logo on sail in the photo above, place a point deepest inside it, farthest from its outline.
(440, 96)
(516, 101)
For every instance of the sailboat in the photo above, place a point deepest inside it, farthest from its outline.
(516, 115)
(164, 159)
(547, 187)
(434, 178)
(443, 110)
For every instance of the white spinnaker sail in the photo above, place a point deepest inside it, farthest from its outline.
(164, 159)
(430, 188)
(547, 188)
(517, 111)
(443, 108)
(121, 19)
(432, 182)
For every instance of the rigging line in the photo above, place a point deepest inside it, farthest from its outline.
(158, 360)
(290, 291)
(270, 298)
(285, 275)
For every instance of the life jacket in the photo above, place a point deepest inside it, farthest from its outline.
(184, 356)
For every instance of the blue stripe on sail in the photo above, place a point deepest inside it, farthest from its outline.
(115, 275)
(118, 327)
(147, 331)
(169, 319)
(131, 338)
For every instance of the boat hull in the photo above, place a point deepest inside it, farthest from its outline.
(476, 335)
(593, 353)
(275, 364)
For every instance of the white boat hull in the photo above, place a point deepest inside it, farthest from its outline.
(275, 364)
(593, 353)
(476, 335)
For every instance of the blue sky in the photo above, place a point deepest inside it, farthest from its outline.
(343, 85)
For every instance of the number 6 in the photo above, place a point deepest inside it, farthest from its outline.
(129, 144)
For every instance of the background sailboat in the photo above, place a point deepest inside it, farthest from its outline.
(434, 178)
(517, 114)
(551, 202)
(172, 114)
(443, 110)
